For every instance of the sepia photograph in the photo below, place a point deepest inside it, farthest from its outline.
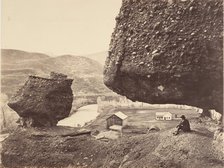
(111, 84)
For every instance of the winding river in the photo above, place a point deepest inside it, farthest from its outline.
(83, 115)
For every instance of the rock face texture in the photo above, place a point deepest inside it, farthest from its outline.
(168, 52)
(42, 101)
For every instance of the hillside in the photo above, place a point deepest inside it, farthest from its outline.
(17, 65)
(99, 56)
(19, 56)
(55, 148)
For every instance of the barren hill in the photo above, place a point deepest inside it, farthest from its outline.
(99, 56)
(17, 65)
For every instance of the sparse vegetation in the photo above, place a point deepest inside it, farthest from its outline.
(18, 65)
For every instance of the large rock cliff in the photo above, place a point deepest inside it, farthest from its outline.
(168, 51)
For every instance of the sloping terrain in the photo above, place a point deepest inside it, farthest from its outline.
(154, 150)
(19, 56)
(17, 65)
(99, 56)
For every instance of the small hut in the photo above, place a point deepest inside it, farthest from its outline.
(118, 118)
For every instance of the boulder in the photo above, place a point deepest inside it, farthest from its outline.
(43, 101)
(168, 52)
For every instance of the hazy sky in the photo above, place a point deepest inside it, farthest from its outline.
(58, 26)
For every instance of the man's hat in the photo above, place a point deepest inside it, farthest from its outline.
(183, 117)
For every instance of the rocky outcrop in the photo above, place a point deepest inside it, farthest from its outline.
(168, 51)
(42, 101)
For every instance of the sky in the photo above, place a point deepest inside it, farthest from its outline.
(58, 27)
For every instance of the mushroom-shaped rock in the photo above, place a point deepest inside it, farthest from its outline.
(178, 48)
(43, 101)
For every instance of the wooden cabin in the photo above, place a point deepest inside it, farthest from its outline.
(118, 118)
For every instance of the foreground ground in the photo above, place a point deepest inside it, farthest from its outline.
(63, 147)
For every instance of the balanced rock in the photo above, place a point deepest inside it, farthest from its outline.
(42, 101)
(165, 51)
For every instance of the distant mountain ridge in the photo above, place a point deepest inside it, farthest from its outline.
(13, 54)
(99, 56)
(17, 65)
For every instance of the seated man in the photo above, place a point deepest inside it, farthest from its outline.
(183, 126)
